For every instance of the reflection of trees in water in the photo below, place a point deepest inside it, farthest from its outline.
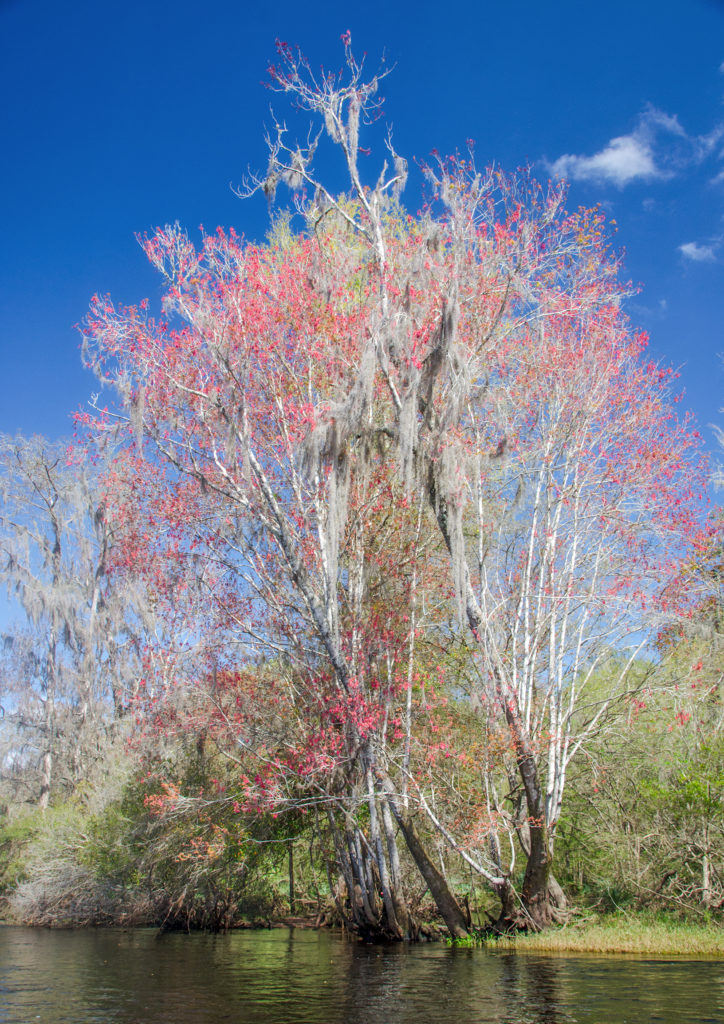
(532, 990)
(350, 983)
(399, 985)
(374, 985)
(318, 978)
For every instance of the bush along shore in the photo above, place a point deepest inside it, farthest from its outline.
(110, 857)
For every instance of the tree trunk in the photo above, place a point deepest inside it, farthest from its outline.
(404, 918)
(536, 893)
(445, 901)
(509, 918)
(535, 896)
(706, 886)
(46, 764)
(378, 848)
(292, 899)
(557, 898)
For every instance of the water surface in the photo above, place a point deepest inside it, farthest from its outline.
(306, 977)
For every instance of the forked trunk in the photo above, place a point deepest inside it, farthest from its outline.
(533, 909)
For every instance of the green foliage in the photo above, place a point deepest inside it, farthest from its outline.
(644, 825)
(15, 835)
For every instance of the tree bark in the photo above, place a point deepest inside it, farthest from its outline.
(402, 912)
(445, 901)
(535, 894)
(292, 897)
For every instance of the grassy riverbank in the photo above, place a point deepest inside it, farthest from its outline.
(620, 934)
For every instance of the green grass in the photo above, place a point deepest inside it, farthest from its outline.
(617, 934)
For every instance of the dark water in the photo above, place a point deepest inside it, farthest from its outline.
(285, 977)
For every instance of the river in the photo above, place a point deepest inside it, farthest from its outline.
(306, 977)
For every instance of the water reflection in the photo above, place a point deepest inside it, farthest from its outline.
(533, 989)
(301, 977)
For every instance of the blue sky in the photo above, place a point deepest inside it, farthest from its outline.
(120, 116)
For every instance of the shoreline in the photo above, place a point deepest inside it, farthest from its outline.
(617, 936)
(605, 936)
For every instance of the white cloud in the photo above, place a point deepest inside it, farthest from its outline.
(704, 145)
(623, 159)
(698, 253)
(652, 117)
(657, 148)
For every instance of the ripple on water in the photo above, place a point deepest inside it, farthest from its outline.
(305, 977)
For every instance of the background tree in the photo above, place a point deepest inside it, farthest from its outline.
(71, 661)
